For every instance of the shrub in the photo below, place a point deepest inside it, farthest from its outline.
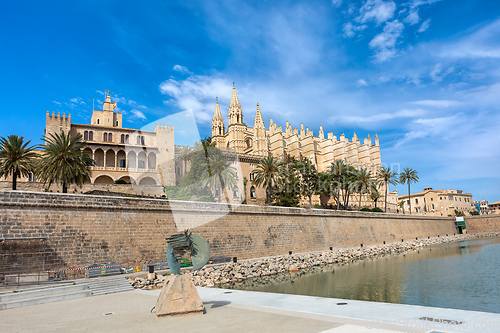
(365, 209)
(121, 181)
(377, 210)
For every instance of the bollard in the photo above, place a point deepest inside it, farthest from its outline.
(402, 240)
(361, 245)
(384, 242)
(416, 238)
(235, 259)
(331, 248)
(290, 252)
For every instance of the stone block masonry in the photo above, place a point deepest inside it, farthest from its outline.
(85, 229)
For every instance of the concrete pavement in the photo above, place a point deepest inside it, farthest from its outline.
(238, 311)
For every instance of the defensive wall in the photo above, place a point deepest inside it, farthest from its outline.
(84, 229)
(148, 190)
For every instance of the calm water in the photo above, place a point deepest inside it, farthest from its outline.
(461, 275)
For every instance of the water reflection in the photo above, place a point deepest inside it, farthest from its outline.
(461, 275)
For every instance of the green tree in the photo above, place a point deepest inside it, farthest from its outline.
(220, 174)
(387, 176)
(266, 173)
(16, 158)
(375, 195)
(363, 182)
(401, 205)
(286, 193)
(338, 170)
(408, 176)
(63, 160)
(309, 178)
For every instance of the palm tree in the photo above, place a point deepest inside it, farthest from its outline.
(221, 173)
(183, 155)
(64, 160)
(401, 205)
(337, 169)
(266, 172)
(375, 195)
(363, 182)
(408, 176)
(387, 176)
(16, 158)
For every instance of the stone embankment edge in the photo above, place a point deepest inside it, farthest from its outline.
(219, 274)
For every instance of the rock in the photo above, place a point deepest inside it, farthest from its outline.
(293, 268)
(178, 297)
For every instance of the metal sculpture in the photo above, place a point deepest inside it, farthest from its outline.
(179, 245)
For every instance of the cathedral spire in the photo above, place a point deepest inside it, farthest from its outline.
(234, 98)
(259, 122)
(217, 113)
(235, 113)
(218, 128)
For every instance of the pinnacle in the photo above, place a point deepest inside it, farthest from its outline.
(234, 98)
(217, 113)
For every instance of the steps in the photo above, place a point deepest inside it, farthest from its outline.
(39, 295)
(52, 293)
(103, 286)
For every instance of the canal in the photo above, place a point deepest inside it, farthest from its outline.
(459, 275)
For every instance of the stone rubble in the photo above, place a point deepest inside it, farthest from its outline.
(214, 275)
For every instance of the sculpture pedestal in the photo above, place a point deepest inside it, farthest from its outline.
(178, 297)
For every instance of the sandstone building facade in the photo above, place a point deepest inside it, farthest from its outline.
(439, 202)
(254, 143)
(136, 156)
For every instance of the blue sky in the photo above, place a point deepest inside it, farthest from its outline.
(423, 74)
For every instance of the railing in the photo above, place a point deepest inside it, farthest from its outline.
(102, 168)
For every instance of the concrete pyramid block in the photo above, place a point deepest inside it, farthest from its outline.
(178, 297)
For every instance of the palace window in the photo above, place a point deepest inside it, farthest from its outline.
(122, 138)
(110, 137)
(126, 138)
(432, 206)
(142, 141)
(123, 163)
(141, 164)
(86, 135)
(97, 121)
(432, 199)
(91, 136)
(117, 123)
(252, 192)
(105, 139)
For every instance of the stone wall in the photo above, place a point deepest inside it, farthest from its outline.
(86, 229)
(482, 224)
(151, 190)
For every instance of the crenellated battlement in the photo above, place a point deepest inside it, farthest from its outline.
(164, 128)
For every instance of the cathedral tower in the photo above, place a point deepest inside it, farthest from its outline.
(260, 146)
(218, 129)
(236, 128)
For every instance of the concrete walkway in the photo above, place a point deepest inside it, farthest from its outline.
(236, 311)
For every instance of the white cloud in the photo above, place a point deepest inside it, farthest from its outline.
(437, 103)
(181, 69)
(351, 29)
(337, 3)
(196, 93)
(380, 117)
(425, 25)
(362, 83)
(138, 114)
(384, 43)
(376, 10)
(482, 43)
(77, 100)
(412, 18)
(58, 103)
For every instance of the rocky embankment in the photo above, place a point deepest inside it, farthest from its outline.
(214, 275)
